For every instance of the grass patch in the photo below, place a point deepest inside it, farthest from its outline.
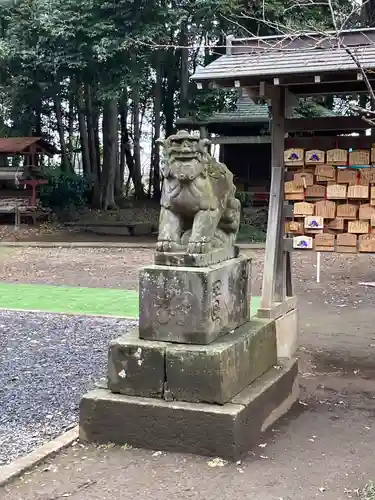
(368, 492)
(63, 299)
(76, 300)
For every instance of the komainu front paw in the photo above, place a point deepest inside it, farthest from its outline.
(202, 246)
(167, 246)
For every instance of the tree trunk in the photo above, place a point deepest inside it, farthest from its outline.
(38, 117)
(170, 88)
(110, 153)
(71, 119)
(92, 129)
(86, 166)
(124, 146)
(155, 167)
(129, 158)
(65, 164)
(137, 167)
(184, 79)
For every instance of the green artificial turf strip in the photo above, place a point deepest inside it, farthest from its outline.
(254, 305)
(63, 299)
(80, 300)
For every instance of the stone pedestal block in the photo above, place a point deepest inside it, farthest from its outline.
(227, 431)
(287, 334)
(136, 367)
(194, 305)
(211, 374)
(217, 372)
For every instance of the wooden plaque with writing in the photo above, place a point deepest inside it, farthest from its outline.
(359, 157)
(347, 211)
(294, 157)
(337, 156)
(347, 176)
(314, 222)
(304, 178)
(336, 191)
(314, 156)
(367, 243)
(294, 226)
(315, 191)
(325, 172)
(336, 224)
(346, 240)
(325, 240)
(293, 187)
(326, 209)
(365, 176)
(358, 192)
(303, 208)
(366, 211)
(303, 242)
(358, 226)
(294, 196)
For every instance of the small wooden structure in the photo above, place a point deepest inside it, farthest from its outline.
(244, 138)
(25, 173)
(242, 135)
(280, 69)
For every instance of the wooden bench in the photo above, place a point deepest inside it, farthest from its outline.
(21, 207)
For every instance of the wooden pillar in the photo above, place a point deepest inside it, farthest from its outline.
(274, 272)
(222, 153)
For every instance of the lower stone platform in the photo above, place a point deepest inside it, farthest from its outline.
(212, 373)
(228, 431)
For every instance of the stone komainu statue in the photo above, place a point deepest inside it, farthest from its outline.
(199, 211)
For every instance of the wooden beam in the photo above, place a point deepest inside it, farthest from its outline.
(326, 142)
(328, 123)
(255, 139)
(303, 85)
(327, 88)
(275, 227)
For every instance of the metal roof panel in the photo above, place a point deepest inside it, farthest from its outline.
(276, 63)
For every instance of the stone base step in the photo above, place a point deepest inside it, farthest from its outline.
(227, 431)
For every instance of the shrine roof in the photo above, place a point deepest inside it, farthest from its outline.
(20, 145)
(294, 60)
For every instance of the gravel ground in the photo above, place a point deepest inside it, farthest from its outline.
(48, 362)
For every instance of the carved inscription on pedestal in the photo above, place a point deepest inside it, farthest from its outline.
(216, 301)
